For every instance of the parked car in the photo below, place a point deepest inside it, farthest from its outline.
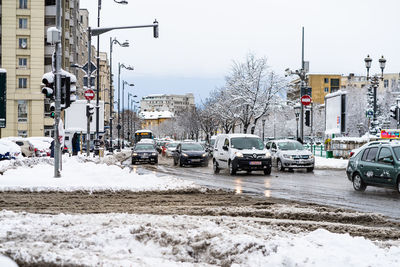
(290, 154)
(170, 148)
(9, 150)
(238, 152)
(190, 153)
(356, 150)
(145, 153)
(375, 165)
(27, 148)
(41, 148)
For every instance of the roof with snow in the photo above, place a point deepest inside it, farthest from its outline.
(154, 115)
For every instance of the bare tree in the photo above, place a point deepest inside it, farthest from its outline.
(251, 87)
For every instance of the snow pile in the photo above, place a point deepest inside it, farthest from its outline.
(7, 262)
(87, 176)
(22, 162)
(324, 163)
(152, 240)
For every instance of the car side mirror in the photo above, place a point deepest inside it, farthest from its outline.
(225, 148)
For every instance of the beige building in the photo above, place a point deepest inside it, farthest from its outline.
(163, 102)
(26, 57)
(105, 86)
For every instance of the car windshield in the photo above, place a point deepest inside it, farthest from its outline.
(290, 146)
(396, 150)
(172, 145)
(192, 147)
(247, 143)
(143, 147)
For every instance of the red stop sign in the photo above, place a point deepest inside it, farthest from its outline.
(305, 100)
(89, 94)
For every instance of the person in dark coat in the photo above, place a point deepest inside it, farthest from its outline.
(75, 144)
(52, 149)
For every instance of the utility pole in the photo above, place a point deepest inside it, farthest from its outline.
(57, 75)
(302, 88)
(89, 73)
(97, 141)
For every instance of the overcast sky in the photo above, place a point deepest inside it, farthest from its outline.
(200, 39)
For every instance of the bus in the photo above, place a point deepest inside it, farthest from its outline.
(143, 134)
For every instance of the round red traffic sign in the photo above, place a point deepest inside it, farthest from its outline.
(89, 94)
(305, 100)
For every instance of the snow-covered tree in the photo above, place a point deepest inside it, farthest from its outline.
(251, 87)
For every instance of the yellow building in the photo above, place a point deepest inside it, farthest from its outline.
(321, 84)
(153, 119)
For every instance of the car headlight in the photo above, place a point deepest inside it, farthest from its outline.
(153, 154)
(267, 155)
(134, 154)
(239, 154)
(286, 156)
(205, 154)
(184, 154)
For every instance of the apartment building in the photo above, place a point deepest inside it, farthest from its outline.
(164, 102)
(26, 56)
(105, 86)
(321, 84)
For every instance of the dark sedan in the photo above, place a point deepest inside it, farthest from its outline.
(190, 154)
(144, 153)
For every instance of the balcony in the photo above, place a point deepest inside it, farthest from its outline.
(50, 11)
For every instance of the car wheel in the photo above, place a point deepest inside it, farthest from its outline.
(215, 167)
(280, 166)
(358, 183)
(180, 162)
(398, 184)
(267, 171)
(232, 170)
(310, 169)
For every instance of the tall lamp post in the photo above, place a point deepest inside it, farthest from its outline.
(119, 101)
(124, 44)
(297, 110)
(97, 143)
(123, 110)
(263, 126)
(374, 83)
(129, 113)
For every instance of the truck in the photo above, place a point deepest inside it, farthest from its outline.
(76, 122)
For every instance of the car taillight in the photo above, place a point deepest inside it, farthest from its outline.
(35, 149)
(351, 153)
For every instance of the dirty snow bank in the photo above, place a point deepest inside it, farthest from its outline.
(324, 163)
(152, 240)
(86, 176)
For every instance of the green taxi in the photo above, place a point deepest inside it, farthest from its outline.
(375, 165)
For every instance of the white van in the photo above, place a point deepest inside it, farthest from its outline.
(238, 152)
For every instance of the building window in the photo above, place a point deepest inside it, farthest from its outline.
(326, 89)
(49, 21)
(23, 43)
(23, 133)
(22, 83)
(23, 4)
(386, 83)
(50, 2)
(48, 131)
(23, 23)
(22, 62)
(22, 111)
(326, 80)
(335, 85)
(48, 61)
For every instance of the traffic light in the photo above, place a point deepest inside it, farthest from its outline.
(89, 111)
(47, 85)
(68, 89)
(155, 29)
(394, 112)
(308, 118)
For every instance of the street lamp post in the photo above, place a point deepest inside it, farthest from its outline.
(297, 110)
(263, 128)
(129, 113)
(97, 32)
(124, 44)
(97, 143)
(374, 83)
(123, 110)
(119, 101)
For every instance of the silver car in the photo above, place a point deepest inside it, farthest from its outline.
(290, 154)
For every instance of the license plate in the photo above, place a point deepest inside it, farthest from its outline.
(145, 156)
(255, 163)
(195, 160)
